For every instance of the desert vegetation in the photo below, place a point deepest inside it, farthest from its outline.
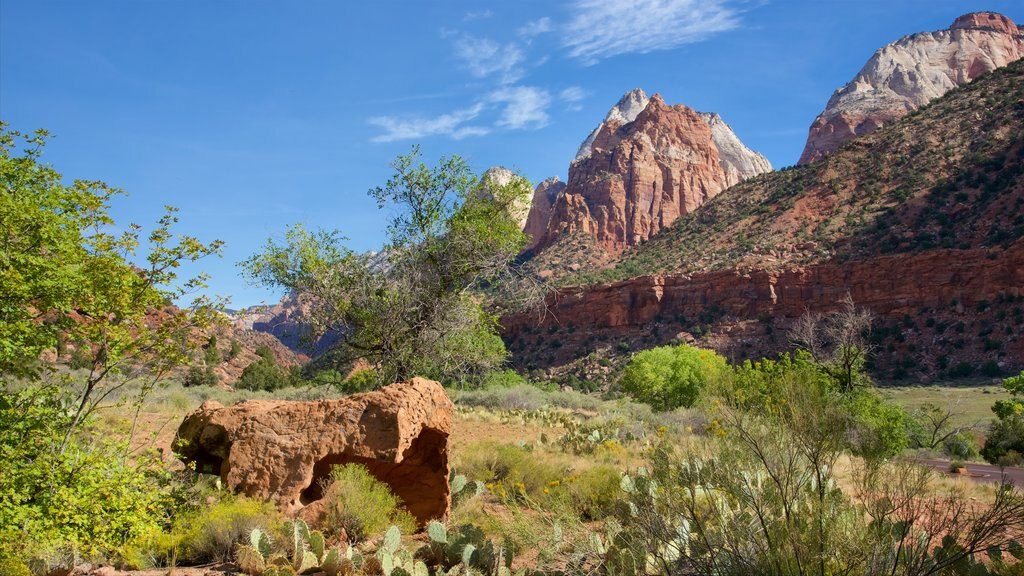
(680, 460)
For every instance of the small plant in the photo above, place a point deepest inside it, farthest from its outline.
(361, 505)
(307, 550)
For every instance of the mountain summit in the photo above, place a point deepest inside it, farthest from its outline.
(641, 168)
(903, 76)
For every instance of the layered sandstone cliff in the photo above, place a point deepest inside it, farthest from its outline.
(544, 197)
(643, 167)
(909, 73)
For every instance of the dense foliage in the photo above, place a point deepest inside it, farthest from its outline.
(415, 308)
(671, 376)
(1005, 442)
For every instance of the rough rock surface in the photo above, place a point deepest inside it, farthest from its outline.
(738, 161)
(501, 176)
(624, 111)
(637, 173)
(950, 284)
(544, 197)
(281, 450)
(910, 72)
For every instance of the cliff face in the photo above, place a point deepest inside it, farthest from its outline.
(909, 73)
(640, 170)
(927, 301)
(921, 222)
(544, 197)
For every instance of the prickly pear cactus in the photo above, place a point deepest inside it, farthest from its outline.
(437, 532)
(304, 562)
(392, 539)
(250, 561)
(317, 544)
(260, 541)
(330, 562)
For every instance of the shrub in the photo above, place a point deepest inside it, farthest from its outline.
(199, 376)
(502, 379)
(669, 377)
(263, 374)
(86, 497)
(209, 533)
(361, 505)
(878, 428)
(362, 381)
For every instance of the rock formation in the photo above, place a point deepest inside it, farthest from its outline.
(544, 197)
(281, 450)
(910, 72)
(501, 176)
(643, 167)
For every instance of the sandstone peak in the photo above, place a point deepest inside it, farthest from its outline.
(544, 197)
(633, 178)
(910, 72)
(624, 111)
(501, 176)
(986, 20)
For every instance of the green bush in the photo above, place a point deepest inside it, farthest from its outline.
(878, 428)
(361, 505)
(264, 374)
(361, 381)
(200, 376)
(88, 496)
(210, 533)
(1005, 442)
(670, 377)
(502, 379)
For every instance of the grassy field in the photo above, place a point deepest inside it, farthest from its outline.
(971, 400)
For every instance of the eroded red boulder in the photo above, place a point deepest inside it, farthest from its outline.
(281, 450)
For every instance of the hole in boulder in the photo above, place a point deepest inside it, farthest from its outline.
(420, 480)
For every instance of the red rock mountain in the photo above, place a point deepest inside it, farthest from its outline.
(921, 222)
(643, 167)
(909, 73)
(544, 197)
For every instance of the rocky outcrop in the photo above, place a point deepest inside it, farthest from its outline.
(911, 72)
(501, 176)
(544, 197)
(281, 451)
(738, 161)
(640, 170)
(973, 287)
(624, 111)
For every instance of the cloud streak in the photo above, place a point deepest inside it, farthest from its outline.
(452, 124)
(601, 29)
(484, 57)
(508, 107)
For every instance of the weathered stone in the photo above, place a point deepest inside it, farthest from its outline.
(643, 167)
(907, 74)
(544, 197)
(281, 450)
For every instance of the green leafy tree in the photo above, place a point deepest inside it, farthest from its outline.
(1005, 441)
(66, 277)
(418, 307)
(671, 376)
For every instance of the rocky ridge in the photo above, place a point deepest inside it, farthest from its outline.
(910, 72)
(921, 221)
(643, 167)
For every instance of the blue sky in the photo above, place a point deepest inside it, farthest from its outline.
(251, 115)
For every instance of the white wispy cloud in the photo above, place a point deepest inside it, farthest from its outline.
(477, 15)
(523, 106)
(572, 96)
(453, 124)
(535, 27)
(484, 57)
(604, 28)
